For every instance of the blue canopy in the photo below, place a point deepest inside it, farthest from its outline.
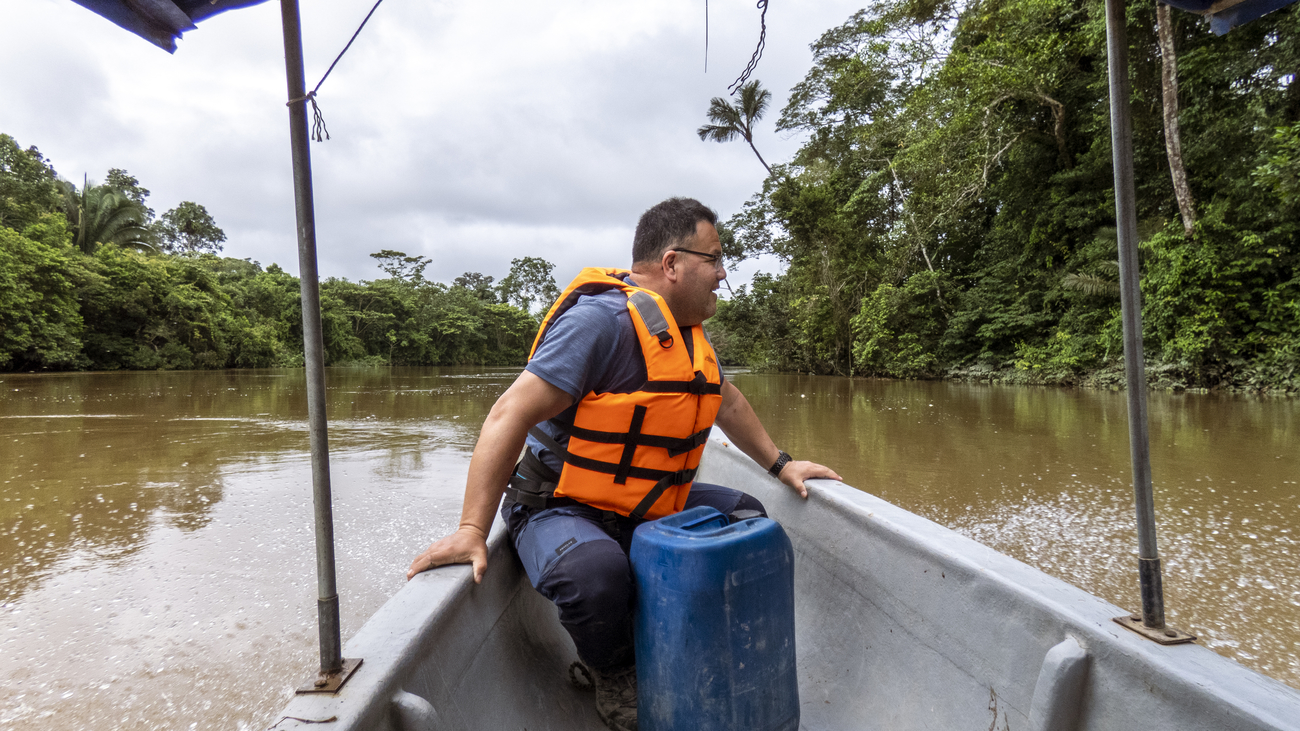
(1228, 14)
(161, 21)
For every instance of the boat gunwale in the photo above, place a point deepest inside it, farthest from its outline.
(428, 638)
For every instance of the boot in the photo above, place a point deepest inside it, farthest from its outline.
(616, 697)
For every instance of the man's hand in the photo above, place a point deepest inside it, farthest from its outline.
(466, 545)
(528, 401)
(794, 473)
(741, 424)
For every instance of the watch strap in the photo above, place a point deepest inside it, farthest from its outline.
(782, 460)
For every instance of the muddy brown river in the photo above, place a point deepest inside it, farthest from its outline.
(156, 557)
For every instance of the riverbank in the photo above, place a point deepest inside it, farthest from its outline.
(1280, 381)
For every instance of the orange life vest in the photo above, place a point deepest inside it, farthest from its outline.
(636, 453)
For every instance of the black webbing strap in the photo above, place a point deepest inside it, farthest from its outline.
(652, 497)
(521, 491)
(699, 385)
(533, 468)
(674, 445)
(608, 468)
(532, 483)
(609, 519)
(629, 447)
(663, 479)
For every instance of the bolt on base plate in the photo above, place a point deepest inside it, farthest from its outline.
(331, 682)
(1164, 635)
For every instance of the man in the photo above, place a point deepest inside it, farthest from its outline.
(614, 405)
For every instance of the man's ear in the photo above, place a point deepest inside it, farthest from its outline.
(669, 265)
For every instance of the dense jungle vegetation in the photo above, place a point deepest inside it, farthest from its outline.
(89, 279)
(952, 214)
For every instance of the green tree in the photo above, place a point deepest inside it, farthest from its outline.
(752, 327)
(188, 229)
(40, 323)
(263, 324)
(398, 265)
(1280, 171)
(151, 312)
(27, 185)
(98, 214)
(125, 183)
(479, 284)
(730, 121)
(964, 146)
(528, 283)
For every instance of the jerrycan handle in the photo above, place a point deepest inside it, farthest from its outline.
(701, 519)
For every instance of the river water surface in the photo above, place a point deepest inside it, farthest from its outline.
(156, 555)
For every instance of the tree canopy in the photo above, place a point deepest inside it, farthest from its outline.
(188, 229)
(90, 280)
(529, 283)
(951, 212)
(28, 185)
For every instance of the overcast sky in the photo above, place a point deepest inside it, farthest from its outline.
(468, 132)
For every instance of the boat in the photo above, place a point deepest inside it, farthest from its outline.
(901, 624)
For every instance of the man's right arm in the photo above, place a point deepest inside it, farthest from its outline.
(528, 402)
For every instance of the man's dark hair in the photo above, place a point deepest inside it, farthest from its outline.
(667, 225)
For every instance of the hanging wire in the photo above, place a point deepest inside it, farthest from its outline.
(758, 51)
(319, 131)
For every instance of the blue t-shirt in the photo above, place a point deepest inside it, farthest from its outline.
(592, 347)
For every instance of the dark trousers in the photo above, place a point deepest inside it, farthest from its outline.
(577, 556)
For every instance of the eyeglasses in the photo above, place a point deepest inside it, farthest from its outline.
(714, 259)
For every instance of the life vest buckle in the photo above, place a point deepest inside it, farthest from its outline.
(698, 384)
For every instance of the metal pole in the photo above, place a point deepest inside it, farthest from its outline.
(327, 602)
(1121, 133)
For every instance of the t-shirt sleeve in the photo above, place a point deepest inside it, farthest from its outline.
(578, 348)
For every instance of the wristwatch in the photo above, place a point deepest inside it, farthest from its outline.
(782, 460)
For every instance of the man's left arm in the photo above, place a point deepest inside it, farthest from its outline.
(741, 424)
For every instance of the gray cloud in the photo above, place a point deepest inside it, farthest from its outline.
(472, 133)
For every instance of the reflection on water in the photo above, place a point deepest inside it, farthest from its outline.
(1043, 475)
(156, 556)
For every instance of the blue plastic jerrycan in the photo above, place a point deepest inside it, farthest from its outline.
(714, 624)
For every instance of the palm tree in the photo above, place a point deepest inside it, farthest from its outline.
(98, 214)
(731, 121)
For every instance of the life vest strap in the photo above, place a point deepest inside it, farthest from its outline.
(674, 445)
(698, 385)
(629, 446)
(532, 483)
(652, 497)
(522, 491)
(663, 478)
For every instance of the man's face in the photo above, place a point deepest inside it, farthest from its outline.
(700, 275)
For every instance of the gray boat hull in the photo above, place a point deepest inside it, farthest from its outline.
(902, 624)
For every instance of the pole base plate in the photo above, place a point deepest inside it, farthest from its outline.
(1164, 635)
(330, 682)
